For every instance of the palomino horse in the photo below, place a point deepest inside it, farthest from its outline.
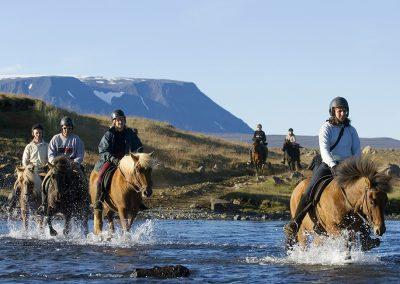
(29, 184)
(292, 155)
(357, 195)
(130, 181)
(259, 155)
(67, 194)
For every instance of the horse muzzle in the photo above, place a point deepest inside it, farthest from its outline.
(147, 192)
(380, 230)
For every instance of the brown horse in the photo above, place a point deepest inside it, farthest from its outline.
(356, 196)
(130, 181)
(28, 183)
(67, 194)
(259, 155)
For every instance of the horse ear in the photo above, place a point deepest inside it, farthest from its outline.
(135, 157)
(30, 167)
(367, 182)
(151, 153)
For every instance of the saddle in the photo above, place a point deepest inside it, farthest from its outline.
(317, 191)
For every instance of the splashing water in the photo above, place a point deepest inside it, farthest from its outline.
(142, 233)
(330, 251)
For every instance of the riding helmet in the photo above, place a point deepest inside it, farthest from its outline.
(66, 121)
(117, 113)
(37, 126)
(259, 125)
(339, 102)
(290, 129)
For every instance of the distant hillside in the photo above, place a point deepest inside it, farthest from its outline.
(311, 141)
(178, 152)
(181, 104)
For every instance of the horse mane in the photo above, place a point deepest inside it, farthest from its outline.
(128, 165)
(61, 163)
(350, 170)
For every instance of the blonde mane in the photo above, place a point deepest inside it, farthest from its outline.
(127, 165)
(31, 175)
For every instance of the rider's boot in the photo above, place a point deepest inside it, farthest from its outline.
(293, 226)
(368, 243)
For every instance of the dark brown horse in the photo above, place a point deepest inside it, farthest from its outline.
(292, 154)
(67, 194)
(259, 154)
(130, 182)
(28, 184)
(356, 196)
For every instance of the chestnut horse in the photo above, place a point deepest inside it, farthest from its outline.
(29, 184)
(130, 182)
(259, 155)
(357, 195)
(67, 194)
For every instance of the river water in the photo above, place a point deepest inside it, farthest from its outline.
(215, 251)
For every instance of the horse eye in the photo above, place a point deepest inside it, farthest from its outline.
(372, 202)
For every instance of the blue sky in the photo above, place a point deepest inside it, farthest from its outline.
(274, 62)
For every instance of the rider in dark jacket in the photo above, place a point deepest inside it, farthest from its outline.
(116, 142)
(258, 135)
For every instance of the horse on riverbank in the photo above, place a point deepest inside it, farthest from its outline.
(259, 154)
(130, 182)
(356, 196)
(67, 194)
(28, 184)
(292, 154)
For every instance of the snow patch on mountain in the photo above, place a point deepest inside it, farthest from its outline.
(219, 125)
(69, 93)
(144, 103)
(107, 97)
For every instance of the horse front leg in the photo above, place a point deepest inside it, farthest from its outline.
(49, 223)
(110, 218)
(67, 224)
(350, 242)
(131, 219)
(123, 219)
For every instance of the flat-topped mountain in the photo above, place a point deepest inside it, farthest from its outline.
(181, 104)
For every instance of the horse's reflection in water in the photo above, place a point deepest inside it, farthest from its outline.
(357, 195)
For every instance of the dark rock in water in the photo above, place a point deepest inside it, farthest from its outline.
(237, 217)
(162, 272)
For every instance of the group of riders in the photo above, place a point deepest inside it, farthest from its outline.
(338, 140)
(115, 143)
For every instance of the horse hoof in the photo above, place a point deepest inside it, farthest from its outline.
(53, 233)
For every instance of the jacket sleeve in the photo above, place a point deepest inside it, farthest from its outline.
(52, 151)
(105, 149)
(137, 145)
(80, 151)
(355, 145)
(324, 146)
(26, 156)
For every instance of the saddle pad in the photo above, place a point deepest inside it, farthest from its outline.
(319, 187)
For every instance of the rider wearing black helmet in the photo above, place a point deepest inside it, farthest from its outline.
(259, 134)
(338, 140)
(116, 142)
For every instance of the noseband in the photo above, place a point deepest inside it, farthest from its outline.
(138, 188)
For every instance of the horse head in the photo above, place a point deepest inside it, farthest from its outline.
(137, 169)
(59, 177)
(373, 205)
(368, 190)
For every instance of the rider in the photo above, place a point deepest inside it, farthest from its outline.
(291, 138)
(347, 145)
(68, 144)
(116, 142)
(35, 153)
(259, 134)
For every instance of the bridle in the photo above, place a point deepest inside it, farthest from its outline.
(137, 187)
(368, 219)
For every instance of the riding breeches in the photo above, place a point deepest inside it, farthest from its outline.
(323, 170)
